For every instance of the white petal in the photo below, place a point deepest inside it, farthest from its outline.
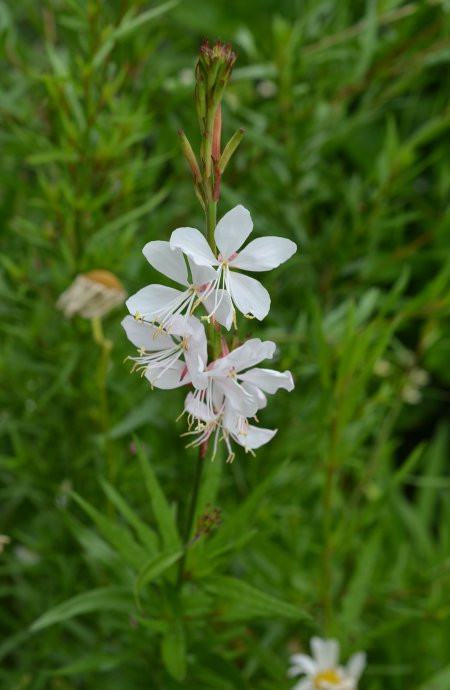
(249, 296)
(241, 402)
(232, 230)
(326, 652)
(219, 302)
(169, 262)
(269, 380)
(256, 393)
(197, 408)
(356, 665)
(201, 275)
(252, 437)
(152, 300)
(146, 335)
(304, 684)
(247, 435)
(264, 253)
(245, 356)
(173, 377)
(305, 663)
(193, 244)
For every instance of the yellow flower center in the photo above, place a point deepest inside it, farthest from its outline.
(329, 676)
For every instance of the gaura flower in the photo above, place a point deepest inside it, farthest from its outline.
(159, 302)
(169, 357)
(322, 670)
(244, 385)
(235, 391)
(221, 423)
(92, 295)
(262, 254)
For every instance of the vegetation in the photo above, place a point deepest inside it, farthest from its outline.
(341, 525)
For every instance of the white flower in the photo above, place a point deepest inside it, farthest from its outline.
(221, 422)
(322, 670)
(169, 357)
(262, 254)
(244, 385)
(159, 302)
(234, 391)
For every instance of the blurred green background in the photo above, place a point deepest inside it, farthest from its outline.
(340, 526)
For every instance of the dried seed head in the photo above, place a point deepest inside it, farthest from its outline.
(92, 295)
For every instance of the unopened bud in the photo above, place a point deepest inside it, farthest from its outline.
(190, 156)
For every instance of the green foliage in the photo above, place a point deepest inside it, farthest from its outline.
(341, 525)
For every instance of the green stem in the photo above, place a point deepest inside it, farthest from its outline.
(105, 346)
(211, 211)
(327, 584)
(191, 512)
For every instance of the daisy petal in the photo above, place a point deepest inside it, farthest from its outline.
(304, 663)
(269, 380)
(326, 652)
(169, 262)
(249, 295)
(173, 377)
(356, 665)
(146, 335)
(264, 253)
(194, 245)
(304, 684)
(232, 230)
(152, 300)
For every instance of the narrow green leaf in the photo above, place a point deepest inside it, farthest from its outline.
(361, 579)
(245, 601)
(161, 509)
(118, 537)
(173, 650)
(105, 233)
(102, 599)
(145, 534)
(155, 567)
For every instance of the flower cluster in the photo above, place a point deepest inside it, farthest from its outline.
(322, 670)
(227, 392)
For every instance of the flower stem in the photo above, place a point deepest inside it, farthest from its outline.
(192, 510)
(211, 210)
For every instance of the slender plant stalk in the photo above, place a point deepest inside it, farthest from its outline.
(105, 346)
(200, 462)
(327, 554)
(212, 72)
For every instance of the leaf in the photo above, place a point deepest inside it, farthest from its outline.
(102, 599)
(359, 586)
(127, 26)
(155, 567)
(106, 232)
(439, 681)
(161, 509)
(119, 537)
(173, 651)
(246, 601)
(145, 534)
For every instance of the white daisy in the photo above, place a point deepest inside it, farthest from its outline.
(322, 670)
